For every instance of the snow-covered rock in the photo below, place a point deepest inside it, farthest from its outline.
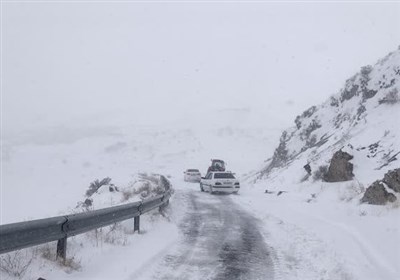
(381, 191)
(392, 179)
(377, 194)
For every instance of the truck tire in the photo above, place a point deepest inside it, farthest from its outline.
(201, 187)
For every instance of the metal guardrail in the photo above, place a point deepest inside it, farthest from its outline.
(31, 233)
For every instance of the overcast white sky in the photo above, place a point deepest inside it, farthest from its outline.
(66, 60)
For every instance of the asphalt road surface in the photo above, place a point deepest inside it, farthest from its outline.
(219, 241)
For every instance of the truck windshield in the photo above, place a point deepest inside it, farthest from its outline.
(224, 176)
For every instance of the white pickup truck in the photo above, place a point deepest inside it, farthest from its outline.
(219, 182)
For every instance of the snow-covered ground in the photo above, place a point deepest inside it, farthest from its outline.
(313, 230)
(316, 230)
(321, 231)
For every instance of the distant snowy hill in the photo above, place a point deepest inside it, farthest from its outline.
(362, 119)
(61, 161)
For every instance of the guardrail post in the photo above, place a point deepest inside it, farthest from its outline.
(62, 248)
(136, 224)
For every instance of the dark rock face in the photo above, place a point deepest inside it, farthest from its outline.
(340, 168)
(392, 179)
(377, 194)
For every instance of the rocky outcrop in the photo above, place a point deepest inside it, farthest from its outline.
(377, 194)
(340, 168)
(392, 179)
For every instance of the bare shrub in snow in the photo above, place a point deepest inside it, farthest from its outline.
(114, 234)
(47, 252)
(96, 184)
(71, 264)
(392, 97)
(16, 263)
(362, 213)
(320, 173)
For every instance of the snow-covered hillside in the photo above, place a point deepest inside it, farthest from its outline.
(363, 119)
(313, 221)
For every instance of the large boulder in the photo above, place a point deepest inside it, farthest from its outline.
(392, 179)
(340, 168)
(377, 194)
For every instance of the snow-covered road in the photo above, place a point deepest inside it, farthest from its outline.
(219, 241)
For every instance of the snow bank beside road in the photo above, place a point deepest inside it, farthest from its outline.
(319, 235)
(112, 252)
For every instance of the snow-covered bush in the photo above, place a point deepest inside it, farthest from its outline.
(96, 185)
(103, 194)
(145, 186)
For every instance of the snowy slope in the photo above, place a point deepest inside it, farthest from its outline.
(362, 118)
(321, 228)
